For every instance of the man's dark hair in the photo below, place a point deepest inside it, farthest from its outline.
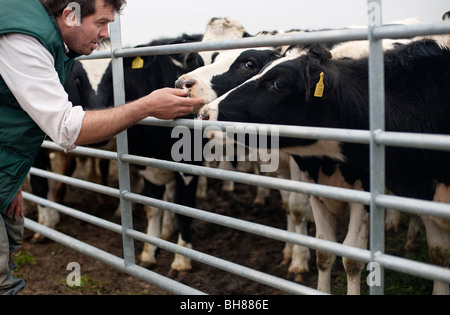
(56, 7)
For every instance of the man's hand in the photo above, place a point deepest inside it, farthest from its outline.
(16, 205)
(168, 103)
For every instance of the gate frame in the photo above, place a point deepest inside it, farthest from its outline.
(376, 137)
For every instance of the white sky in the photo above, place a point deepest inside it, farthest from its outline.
(146, 20)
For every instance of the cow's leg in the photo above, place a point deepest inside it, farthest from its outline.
(227, 185)
(41, 187)
(261, 195)
(326, 230)
(287, 250)
(93, 176)
(104, 170)
(357, 236)
(154, 216)
(202, 187)
(68, 165)
(300, 211)
(169, 224)
(438, 238)
(185, 194)
(392, 221)
(413, 234)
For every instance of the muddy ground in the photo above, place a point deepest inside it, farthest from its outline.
(43, 265)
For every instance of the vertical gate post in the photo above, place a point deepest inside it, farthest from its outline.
(377, 152)
(122, 142)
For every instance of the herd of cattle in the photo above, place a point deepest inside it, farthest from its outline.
(280, 85)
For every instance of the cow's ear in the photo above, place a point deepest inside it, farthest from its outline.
(319, 53)
(319, 83)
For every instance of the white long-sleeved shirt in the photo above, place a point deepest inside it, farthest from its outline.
(29, 71)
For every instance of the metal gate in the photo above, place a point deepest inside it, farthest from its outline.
(376, 137)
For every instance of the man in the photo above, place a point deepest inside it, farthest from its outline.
(38, 43)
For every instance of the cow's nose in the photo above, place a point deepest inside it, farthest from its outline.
(184, 84)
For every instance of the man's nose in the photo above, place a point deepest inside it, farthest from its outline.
(104, 32)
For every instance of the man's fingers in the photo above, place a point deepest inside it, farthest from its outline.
(184, 93)
(180, 92)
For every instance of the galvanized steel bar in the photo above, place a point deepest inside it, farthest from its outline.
(414, 206)
(256, 180)
(277, 234)
(414, 140)
(338, 249)
(113, 261)
(398, 139)
(122, 141)
(245, 272)
(395, 263)
(107, 225)
(345, 135)
(409, 31)
(238, 43)
(413, 268)
(76, 182)
(254, 228)
(239, 270)
(385, 31)
(98, 153)
(377, 124)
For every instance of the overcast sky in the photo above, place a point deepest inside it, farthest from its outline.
(145, 20)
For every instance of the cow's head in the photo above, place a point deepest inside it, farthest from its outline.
(230, 69)
(446, 16)
(283, 93)
(221, 29)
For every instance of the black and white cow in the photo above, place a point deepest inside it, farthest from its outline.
(417, 86)
(153, 73)
(152, 141)
(232, 68)
(228, 70)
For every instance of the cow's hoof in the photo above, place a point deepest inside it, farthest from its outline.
(39, 239)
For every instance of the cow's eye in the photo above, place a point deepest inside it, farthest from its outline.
(250, 64)
(279, 85)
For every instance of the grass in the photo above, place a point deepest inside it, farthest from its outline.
(22, 257)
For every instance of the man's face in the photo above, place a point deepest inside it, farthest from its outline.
(84, 38)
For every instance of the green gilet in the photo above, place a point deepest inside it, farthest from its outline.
(20, 136)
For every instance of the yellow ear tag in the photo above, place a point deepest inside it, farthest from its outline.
(320, 87)
(138, 63)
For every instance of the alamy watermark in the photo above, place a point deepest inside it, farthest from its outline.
(236, 143)
(374, 277)
(74, 18)
(74, 277)
(374, 13)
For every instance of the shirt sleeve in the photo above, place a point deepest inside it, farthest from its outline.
(29, 71)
